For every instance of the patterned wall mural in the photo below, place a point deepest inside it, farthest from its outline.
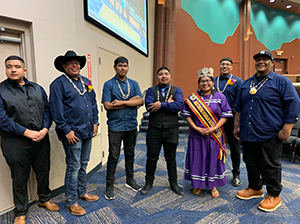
(274, 27)
(218, 18)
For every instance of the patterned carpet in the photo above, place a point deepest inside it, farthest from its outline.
(161, 205)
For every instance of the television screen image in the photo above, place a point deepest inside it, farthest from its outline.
(125, 19)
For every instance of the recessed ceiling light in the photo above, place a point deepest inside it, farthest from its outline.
(272, 0)
(288, 6)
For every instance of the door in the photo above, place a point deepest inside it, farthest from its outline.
(106, 72)
(14, 36)
(280, 66)
(9, 45)
(6, 48)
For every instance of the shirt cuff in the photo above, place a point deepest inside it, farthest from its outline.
(21, 131)
(66, 130)
(164, 105)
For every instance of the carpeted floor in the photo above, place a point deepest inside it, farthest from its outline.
(161, 205)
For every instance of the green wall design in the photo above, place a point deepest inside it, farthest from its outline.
(273, 27)
(218, 18)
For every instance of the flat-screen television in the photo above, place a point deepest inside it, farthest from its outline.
(127, 20)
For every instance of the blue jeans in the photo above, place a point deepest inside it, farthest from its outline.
(77, 158)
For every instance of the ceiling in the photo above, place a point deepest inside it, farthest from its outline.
(281, 4)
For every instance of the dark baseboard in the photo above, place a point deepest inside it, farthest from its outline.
(61, 189)
(93, 171)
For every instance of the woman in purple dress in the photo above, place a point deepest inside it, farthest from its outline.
(206, 111)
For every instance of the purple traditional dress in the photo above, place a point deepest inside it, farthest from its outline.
(203, 165)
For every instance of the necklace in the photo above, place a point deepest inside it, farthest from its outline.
(208, 100)
(128, 90)
(222, 91)
(84, 89)
(166, 95)
(254, 89)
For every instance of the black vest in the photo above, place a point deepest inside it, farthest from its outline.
(163, 118)
(24, 106)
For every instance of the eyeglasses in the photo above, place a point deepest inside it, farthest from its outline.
(225, 64)
(72, 63)
(204, 81)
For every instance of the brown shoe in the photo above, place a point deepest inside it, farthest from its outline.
(270, 203)
(196, 191)
(20, 219)
(249, 193)
(49, 205)
(89, 197)
(76, 210)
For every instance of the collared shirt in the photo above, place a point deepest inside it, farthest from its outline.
(9, 125)
(230, 91)
(173, 107)
(72, 111)
(123, 119)
(263, 114)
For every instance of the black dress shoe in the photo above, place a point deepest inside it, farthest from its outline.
(177, 189)
(146, 189)
(236, 181)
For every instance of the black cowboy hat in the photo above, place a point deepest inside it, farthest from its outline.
(69, 55)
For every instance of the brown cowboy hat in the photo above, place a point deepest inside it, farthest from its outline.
(69, 55)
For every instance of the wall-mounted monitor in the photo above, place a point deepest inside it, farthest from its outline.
(127, 20)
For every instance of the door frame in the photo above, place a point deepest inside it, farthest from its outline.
(25, 32)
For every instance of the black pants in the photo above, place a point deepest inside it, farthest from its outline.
(263, 164)
(20, 154)
(156, 137)
(234, 146)
(115, 140)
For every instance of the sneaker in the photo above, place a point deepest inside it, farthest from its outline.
(109, 194)
(177, 189)
(133, 185)
(249, 193)
(270, 203)
(146, 189)
(236, 181)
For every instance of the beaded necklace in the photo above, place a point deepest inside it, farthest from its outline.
(166, 95)
(208, 100)
(128, 90)
(253, 89)
(84, 89)
(222, 91)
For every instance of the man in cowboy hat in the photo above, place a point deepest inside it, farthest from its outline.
(74, 110)
(24, 123)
